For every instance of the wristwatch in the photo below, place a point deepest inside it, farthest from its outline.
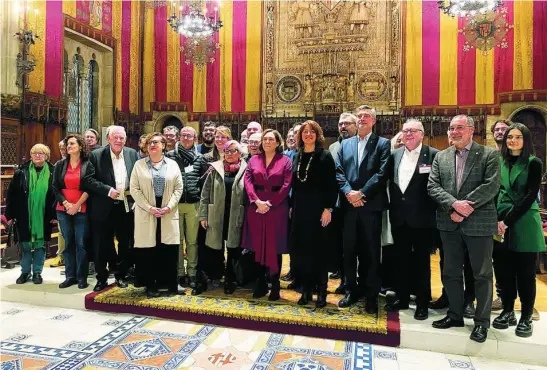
(329, 209)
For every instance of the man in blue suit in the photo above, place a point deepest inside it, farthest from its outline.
(361, 173)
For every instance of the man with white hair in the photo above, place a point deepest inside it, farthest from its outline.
(192, 167)
(111, 207)
(244, 137)
(254, 127)
(254, 144)
(412, 216)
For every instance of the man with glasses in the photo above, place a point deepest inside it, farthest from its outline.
(192, 167)
(412, 217)
(464, 181)
(254, 144)
(208, 136)
(361, 173)
(171, 134)
(347, 127)
(111, 207)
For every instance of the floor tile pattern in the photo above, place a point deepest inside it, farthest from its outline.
(35, 337)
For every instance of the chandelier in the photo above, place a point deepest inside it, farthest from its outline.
(466, 8)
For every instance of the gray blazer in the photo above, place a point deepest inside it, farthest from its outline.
(480, 184)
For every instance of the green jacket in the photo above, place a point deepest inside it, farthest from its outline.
(211, 207)
(526, 235)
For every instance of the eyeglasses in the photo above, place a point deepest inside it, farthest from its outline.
(38, 154)
(170, 136)
(341, 124)
(458, 128)
(410, 131)
(231, 151)
(254, 142)
(187, 136)
(154, 142)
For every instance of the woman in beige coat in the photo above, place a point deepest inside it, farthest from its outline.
(221, 213)
(156, 186)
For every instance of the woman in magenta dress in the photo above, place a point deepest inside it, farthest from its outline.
(267, 183)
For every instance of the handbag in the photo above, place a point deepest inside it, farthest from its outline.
(12, 253)
(245, 268)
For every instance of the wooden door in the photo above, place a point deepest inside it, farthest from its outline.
(535, 122)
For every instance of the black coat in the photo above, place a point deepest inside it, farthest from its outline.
(104, 180)
(17, 202)
(414, 207)
(87, 171)
(193, 180)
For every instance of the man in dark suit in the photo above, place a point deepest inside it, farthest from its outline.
(464, 181)
(361, 173)
(412, 216)
(111, 211)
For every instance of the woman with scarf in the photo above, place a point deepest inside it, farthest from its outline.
(70, 176)
(30, 201)
(268, 182)
(221, 213)
(156, 186)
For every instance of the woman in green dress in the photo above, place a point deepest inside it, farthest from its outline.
(520, 227)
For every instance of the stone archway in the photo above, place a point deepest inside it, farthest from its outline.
(534, 119)
(168, 120)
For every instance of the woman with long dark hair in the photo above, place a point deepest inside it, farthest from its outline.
(520, 227)
(314, 193)
(70, 177)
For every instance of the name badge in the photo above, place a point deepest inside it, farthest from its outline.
(188, 169)
(424, 169)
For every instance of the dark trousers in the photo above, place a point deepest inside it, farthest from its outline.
(516, 271)
(389, 264)
(413, 270)
(336, 238)
(469, 291)
(121, 225)
(157, 266)
(362, 232)
(74, 229)
(213, 265)
(479, 248)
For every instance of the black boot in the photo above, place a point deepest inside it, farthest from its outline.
(306, 297)
(201, 283)
(505, 320)
(261, 288)
(274, 292)
(525, 327)
(321, 296)
(229, 287)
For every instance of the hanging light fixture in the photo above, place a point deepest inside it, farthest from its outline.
(467, 8)
(191, 20)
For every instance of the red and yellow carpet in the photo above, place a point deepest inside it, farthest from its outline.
(242, 311)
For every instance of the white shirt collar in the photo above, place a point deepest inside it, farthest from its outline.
(417, 150)
(113, 156)
(365, 138)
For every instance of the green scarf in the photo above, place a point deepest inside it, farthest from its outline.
(38, 186)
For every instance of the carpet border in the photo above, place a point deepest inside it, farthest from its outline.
(391, 339)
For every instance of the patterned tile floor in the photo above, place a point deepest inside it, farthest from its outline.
(34, 337)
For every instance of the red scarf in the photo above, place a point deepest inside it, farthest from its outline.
(232, 167)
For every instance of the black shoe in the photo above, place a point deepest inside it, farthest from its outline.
(371, 306)
(82, 284)
(396, 306)
(37, 278)
(183, 281)
(321, 298)
(25, 276)
(192, 282)
(229, 287)
(294, 285)
(67, 283)
(469, 310)
(479, 334)
(421, 313)
(305, 298)
(121, 283)
(348, 300)
(260, 289)
(201, 286)
(525, 327)
(288, 277)
(274, 291)
(100, 286)
(448, 323)
(439, 304)
(335, 276)
(505, 320)
(152, 293)
(341, 289)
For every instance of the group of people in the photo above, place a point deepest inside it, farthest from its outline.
(184, 214)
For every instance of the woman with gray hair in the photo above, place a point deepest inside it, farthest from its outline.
(221, 214)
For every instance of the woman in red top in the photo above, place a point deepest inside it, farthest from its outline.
(69, 178)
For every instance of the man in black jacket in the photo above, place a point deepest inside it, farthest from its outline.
(412, 216)
(192, 167)
(111, 206)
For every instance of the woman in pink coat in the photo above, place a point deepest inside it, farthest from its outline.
(267, 183)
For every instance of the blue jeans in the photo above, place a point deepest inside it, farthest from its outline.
(34, 259)
(74, 229)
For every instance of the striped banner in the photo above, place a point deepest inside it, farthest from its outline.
(230, 84)
(442, 67)
(82, 11)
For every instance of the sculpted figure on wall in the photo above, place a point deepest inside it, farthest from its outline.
(308, 89)
(360, 15)
(351, 87)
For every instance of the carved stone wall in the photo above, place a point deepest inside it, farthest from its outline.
(331, 56)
